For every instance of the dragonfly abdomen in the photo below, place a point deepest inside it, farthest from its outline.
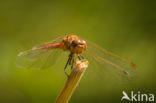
(51, 46)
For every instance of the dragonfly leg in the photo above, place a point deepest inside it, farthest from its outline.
(73, 61)
(69, 59)
(82, 56)
(79, 57)
(66, 68)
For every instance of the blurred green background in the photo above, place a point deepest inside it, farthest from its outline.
(125, 27)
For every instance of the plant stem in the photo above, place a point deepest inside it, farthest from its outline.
(72, 82)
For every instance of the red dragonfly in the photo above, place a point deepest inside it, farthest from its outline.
(42, 56)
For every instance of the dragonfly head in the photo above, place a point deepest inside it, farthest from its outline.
(79, 46)
(74, 44)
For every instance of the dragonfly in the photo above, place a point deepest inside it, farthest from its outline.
(78, 49)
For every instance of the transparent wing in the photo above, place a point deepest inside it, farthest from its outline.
(107, 63)
(37, 57)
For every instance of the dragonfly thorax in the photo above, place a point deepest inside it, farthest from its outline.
(74, 44)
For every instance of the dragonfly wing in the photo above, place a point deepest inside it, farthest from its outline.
(108, 61)
(37, 57)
